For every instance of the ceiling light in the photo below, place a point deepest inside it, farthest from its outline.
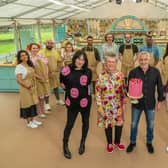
(58, 3)
(118, 2)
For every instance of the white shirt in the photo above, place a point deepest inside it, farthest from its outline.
(20, 69)
(106, 48)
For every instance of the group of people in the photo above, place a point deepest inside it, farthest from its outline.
(75, 71)
(37, 72)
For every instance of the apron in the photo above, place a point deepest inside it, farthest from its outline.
(92, 63)
(28, 97)
(53, 72)
(152, 60)
(164, 70)
(42, 84)
(67, 60)
(127, 59)
(100, 68)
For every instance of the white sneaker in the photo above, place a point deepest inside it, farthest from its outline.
(60, 102)
(37, 122)
(32, 125)
(42, 116)
(47, 107)
(47, 112)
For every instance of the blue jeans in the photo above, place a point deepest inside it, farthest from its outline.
(149, 114)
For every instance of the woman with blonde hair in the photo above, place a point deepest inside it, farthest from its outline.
(68, 54)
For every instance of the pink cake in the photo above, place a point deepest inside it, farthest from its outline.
(135, 88)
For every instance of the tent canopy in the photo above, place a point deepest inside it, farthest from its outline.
(48, 10)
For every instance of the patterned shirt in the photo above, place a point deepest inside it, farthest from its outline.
(110, 95)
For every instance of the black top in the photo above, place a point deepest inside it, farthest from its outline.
(150, 79)
(123, 46)
(77, 89)
(96, 52)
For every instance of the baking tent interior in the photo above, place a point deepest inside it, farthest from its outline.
(24, 21)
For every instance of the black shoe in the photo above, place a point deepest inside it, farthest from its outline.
(67, 152)
(150, 148)
(130, 147)
(82, 148)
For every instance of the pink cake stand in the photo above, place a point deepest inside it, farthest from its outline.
(134, 100)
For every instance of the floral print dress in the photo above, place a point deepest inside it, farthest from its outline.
(77, 90)
(110, 95)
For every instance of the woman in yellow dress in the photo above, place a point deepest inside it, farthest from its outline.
(41, 69)
(25, 76)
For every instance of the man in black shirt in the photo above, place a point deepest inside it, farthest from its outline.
(151, 78)
(128, 55)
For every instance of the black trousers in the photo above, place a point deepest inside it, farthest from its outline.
(109, 134)
(71, 117)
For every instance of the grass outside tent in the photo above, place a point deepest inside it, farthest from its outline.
(8, 46)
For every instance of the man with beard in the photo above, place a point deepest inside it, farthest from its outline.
(54, 60)
(152, 49)
(128, 55)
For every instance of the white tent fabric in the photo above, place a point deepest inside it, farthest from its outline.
(112, 10)
(45, 10)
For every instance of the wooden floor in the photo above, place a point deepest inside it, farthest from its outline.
(22, 147)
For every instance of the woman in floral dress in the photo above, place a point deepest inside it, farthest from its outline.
(110, 99)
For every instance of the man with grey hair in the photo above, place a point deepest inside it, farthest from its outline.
(150, 78)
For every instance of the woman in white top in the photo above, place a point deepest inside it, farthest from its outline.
(25, 77)
(109, 46)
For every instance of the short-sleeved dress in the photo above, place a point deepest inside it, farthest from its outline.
(110, 93)
(41, 69)
(76, 86)
(28, 97)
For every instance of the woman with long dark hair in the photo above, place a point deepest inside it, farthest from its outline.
(75, 80)
(25, 77)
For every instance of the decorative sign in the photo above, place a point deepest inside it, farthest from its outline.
(128, 24)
